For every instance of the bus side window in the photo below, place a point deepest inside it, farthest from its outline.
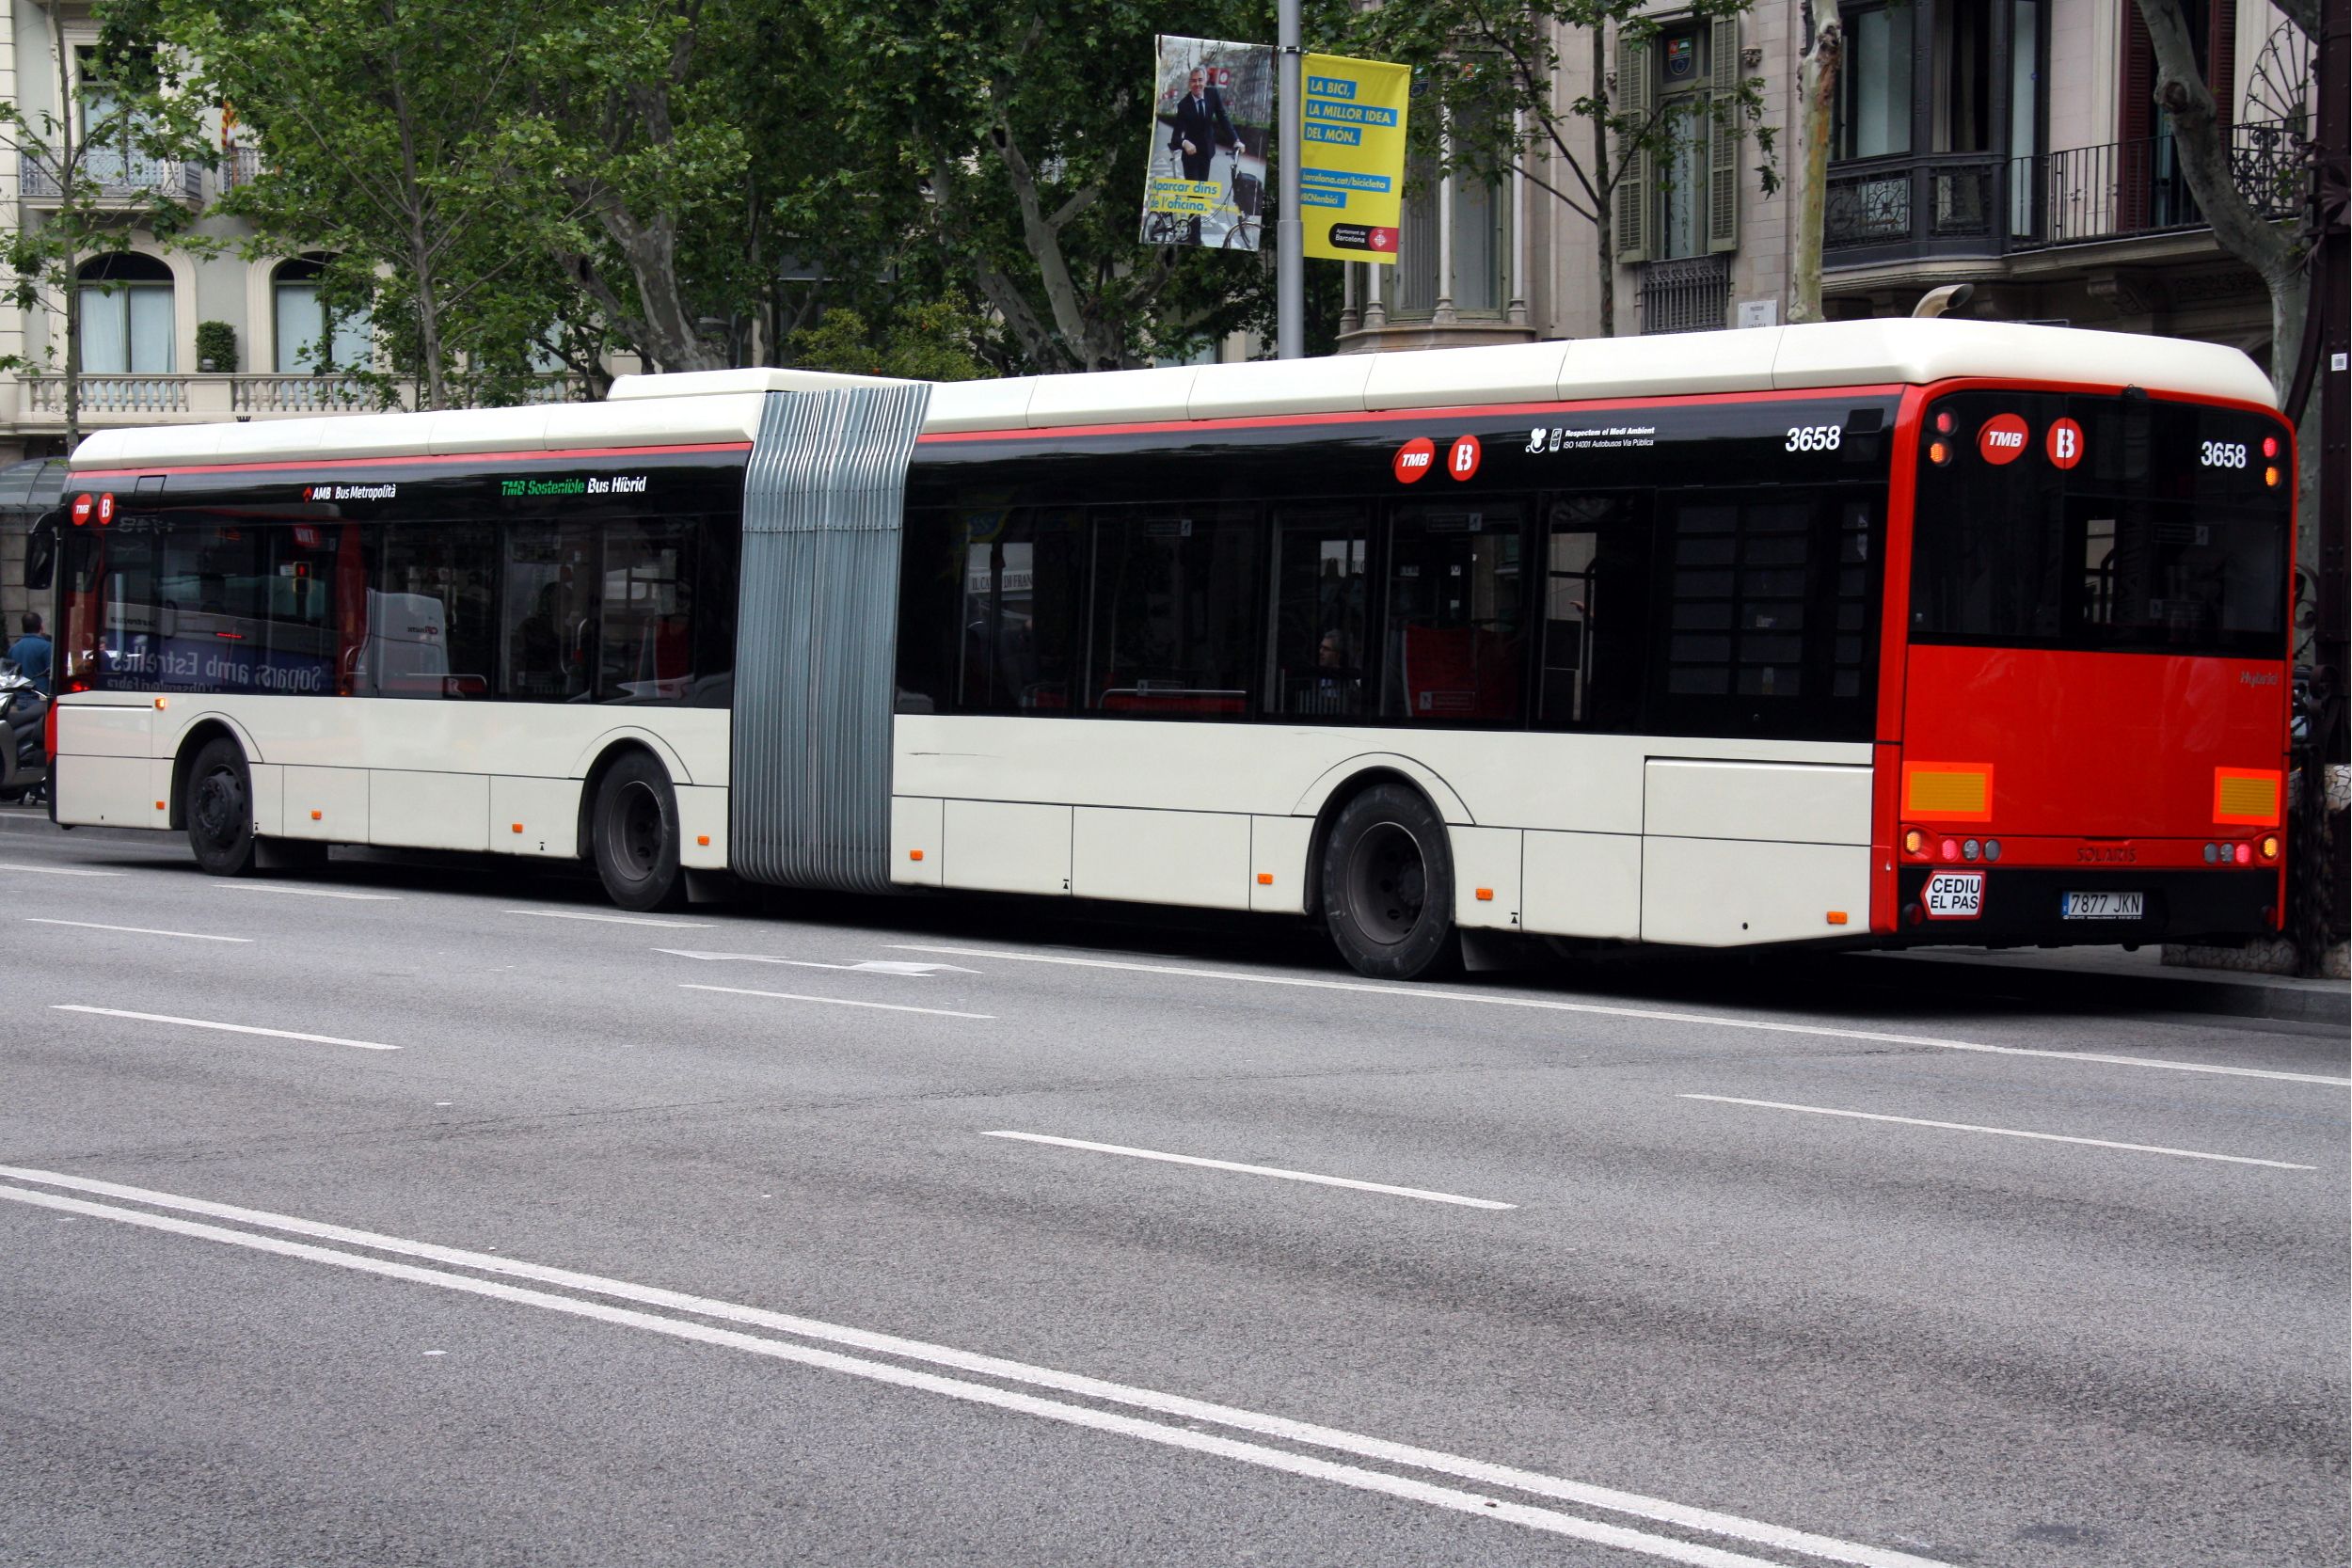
(1595, 612)
(1176, 610)
(432, 628)
(644, 647)
(1456, 629)
(549, 585)
(1321, 654)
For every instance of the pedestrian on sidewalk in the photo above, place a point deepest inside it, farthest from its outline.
(30, 652)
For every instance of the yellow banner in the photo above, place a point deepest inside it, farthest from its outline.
(1351, 167)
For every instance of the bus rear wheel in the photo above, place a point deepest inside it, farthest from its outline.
(633, 835)
(220, 809)
(1388, 886)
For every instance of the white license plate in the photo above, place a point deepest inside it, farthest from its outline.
(2102, 905)
(1955, 896)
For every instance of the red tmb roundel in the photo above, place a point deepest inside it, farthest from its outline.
(2002, 439)
(81, 510)
(106, 510)
(2064, 443)
(1461, 459)
(1414, 459)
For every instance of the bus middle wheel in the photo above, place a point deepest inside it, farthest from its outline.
(1388, 886)
(634, 835)
(220, 809)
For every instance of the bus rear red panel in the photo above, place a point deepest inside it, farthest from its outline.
(2095, 686)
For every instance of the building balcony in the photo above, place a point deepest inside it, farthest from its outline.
(109, 400)
(1984, 206)
(1688, 294)
(113, 176)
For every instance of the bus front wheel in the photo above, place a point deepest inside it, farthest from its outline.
(1388, 886)
(634, 835)
(220, 809)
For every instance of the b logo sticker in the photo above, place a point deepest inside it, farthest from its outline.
(1461, 459)
(2064, 444)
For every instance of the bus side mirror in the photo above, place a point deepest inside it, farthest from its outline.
(40, 554)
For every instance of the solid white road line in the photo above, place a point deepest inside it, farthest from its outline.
(58, 870)
(225, 1028)
(616, 919)
(834, 1001)
(1997, 1132)
(310, 892)
(1255, 1170)
(1431, 994)
(1174, 1405)
(135, 930)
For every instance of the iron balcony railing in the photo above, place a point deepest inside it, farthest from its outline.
(1983, 204)
(1688, 294)
(111, 173)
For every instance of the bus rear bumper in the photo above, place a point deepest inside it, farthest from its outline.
(2030, 905)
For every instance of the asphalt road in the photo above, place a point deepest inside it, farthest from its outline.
(425, 1214)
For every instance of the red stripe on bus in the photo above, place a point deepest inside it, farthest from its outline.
(1449, 411)
(286, 465)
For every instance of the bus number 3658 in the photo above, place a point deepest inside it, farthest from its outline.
(1812, 437)
(2223, 455)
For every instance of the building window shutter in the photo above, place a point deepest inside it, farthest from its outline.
(1634, 193)
(2221, 58)
(1723, 137)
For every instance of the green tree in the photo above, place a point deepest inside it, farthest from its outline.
(113, 161)
(1488, 83)
(1024, 129)
(390, 135)
(938, 340)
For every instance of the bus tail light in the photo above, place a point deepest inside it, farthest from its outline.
(2268, 848)
(1915, 842)
(1951, 848)
(2243, 854)
(1939, 452)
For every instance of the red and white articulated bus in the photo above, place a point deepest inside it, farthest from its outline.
(1872, 633)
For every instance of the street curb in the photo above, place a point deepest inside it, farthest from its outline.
(2232, 994)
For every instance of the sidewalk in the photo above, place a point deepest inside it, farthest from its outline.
(2080, 977)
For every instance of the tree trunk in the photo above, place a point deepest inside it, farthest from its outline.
(2265, 244)
(1605, 204)
(432, 392)
(71, 197)
(1817, 100)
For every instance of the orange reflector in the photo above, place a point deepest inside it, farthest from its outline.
(1266, 878)
(1486, 895)
(160, 806)
(1949, 791)
(318, 816)
(162, 703)
(912, 854)
(702, 840)
(1914, 842)
(1838, 917)
(518, 826)
(2246, 797)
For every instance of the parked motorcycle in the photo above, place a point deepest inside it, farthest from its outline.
(24, 749)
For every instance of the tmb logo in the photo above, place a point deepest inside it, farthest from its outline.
(2002, 439)
(1414, 459)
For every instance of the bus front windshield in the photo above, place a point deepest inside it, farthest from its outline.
(2101, 524)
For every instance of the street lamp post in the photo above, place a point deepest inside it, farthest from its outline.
(1290, 232)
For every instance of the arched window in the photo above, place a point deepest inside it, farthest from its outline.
(305, 323)
(126, 310)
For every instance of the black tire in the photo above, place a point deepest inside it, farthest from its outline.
(1388, 886)
(219, 809)
(633, 835)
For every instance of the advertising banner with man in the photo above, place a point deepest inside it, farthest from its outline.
(1213, 124)
(1351, 167)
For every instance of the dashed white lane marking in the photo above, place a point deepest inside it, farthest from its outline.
(1999, 1132)
(870, 966)
(835, 1000)
(224, 1028)
(1421, 993)
(1176, 1406)
(616, 919)
(58, 870)
(133, 930)
(312, 892)
(1275, 1171)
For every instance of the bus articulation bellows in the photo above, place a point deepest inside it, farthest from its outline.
(1879, 632)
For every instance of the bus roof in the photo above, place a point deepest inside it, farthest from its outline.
(724, 406)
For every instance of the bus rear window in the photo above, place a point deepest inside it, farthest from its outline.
(2155, 537)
